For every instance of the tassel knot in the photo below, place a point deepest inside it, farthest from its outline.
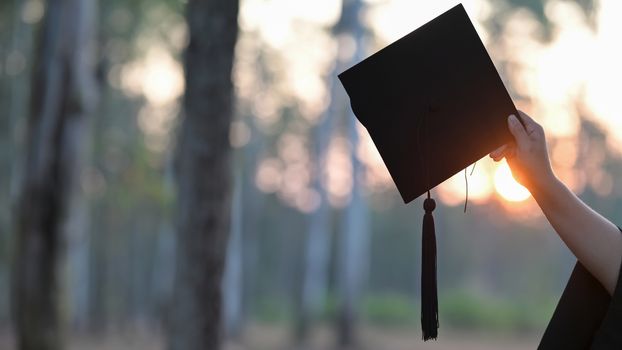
(429, 205)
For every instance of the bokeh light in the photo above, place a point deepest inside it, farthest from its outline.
(506, 185)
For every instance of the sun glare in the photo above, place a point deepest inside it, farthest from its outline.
(507, 187)
(453, 191)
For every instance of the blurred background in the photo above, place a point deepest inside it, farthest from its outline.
(321, 250)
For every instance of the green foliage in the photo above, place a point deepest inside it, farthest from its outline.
(461, 310)
(390, 310)
(329, 312)
(271, 310)
(474, 311)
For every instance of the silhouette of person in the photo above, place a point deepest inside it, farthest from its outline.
(589, 313)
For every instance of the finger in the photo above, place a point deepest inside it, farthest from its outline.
(498, 152)
(508, 152)
(530, 124)
(516, 128)
(498, 157)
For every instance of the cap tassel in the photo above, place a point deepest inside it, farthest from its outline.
(429, 297)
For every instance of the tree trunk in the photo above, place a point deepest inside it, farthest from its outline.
(233, 278)
(63, 93)
(354, 236)
(204, 175)
(318, 240)
(8, 27)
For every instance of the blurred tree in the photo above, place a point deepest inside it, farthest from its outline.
(16, 41)
(317, 243)
(128, 182)
(252, 203)
(353, 244)
(496, 22)
(204, 175)
(6, 152)
(63, 94)
(233, 277)
(538, 7)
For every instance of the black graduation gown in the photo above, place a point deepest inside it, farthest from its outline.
(586, 316)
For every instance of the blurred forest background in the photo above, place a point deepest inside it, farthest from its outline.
(117, 170)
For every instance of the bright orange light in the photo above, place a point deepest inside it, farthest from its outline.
(507, 187)
(453, 191)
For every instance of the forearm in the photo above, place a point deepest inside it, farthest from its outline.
(594, 240)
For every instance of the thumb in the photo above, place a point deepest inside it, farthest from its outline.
(518, 131)
(515, 169)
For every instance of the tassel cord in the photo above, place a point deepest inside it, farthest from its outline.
(429, 292)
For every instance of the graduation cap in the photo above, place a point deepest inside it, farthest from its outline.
(433, 103)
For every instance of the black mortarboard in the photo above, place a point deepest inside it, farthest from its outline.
(433, 103)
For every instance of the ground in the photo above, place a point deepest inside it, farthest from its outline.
(265, 337)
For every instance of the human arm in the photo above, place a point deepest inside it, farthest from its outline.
(594, 240)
